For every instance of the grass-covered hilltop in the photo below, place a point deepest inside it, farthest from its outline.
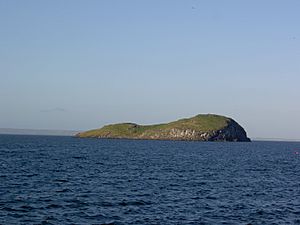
(203, 127)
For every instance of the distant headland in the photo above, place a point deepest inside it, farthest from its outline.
(203, 127)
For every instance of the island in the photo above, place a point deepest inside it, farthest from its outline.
(203, 127)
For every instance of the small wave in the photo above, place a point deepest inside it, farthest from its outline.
(31, 175)
(79, 157)
(8, 209)
(27, 207)
(75, 203)
(95, 216)
(64, 190)
(211, 197)
(134, 203)
(53, 206)
(61, 180)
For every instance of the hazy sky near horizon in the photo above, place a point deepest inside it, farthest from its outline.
(82, 64)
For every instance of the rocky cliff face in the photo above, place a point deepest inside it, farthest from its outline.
(199, 128)
(232, 132)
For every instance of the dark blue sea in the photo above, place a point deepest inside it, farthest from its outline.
(66, 180)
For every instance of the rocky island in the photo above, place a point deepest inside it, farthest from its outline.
(203, 127)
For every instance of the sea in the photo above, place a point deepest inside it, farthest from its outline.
(68, 180)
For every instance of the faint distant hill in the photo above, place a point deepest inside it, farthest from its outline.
(38, 132)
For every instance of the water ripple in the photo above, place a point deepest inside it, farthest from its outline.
(64, 180)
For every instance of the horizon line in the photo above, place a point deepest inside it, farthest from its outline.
(75, 130)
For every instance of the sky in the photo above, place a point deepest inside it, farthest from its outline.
(81, 64)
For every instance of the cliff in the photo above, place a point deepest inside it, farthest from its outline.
(202, 127)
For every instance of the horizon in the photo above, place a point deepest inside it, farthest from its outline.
(81, 65)
(14, 131)
(42, 131)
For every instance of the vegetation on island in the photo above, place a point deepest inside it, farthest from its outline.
(203, 127)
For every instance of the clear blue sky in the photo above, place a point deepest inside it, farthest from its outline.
(68, 64)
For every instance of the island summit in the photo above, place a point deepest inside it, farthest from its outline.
(203, 127)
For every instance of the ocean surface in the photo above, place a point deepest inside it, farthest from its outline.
(66, 180)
